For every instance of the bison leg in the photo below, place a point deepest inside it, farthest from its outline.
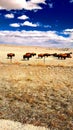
(7, 57)
(10, 57)
(64, 58)
(59, 57)
(27, 58)
(40, 56)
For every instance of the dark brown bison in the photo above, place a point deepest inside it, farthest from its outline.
(10, 55)
(62, 56)
(46, 54)
(27, 56)
(31, 53)
(40, 55)
(43, 55)
(54, 54)
(69, 55)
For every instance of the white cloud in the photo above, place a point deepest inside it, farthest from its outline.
(38, 1)
(9, 15)
(68, 30)
(23, 17)
(70, 33)
(36, 38)
(71, 1)
(27, 23)
(15, 25)
(20, 4)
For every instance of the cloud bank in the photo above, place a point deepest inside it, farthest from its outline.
(21, 4)
(37, 38)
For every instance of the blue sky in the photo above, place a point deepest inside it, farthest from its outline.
(37, 22)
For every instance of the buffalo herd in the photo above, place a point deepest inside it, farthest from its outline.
(29, 55)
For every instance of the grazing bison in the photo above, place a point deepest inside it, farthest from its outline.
(62, 56)
(46, 54)
(69, 55)
(43, 55)
(40, 55)
(10, 55)
(27, 56)
(31, 53)
(54, 54)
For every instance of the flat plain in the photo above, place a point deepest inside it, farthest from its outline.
(35, 91)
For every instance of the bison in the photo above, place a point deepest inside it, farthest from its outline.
(10, 55)
(54, 54)
(40, 55)
(46, 54)
(69, 55)
(31, 53)
(27, 56)
(43, 55)
(62, 56)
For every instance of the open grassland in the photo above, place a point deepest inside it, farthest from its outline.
(39, 95)
(35, 92)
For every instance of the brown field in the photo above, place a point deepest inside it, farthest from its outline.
(35, 92)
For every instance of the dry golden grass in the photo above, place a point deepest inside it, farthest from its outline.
(36, 93)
